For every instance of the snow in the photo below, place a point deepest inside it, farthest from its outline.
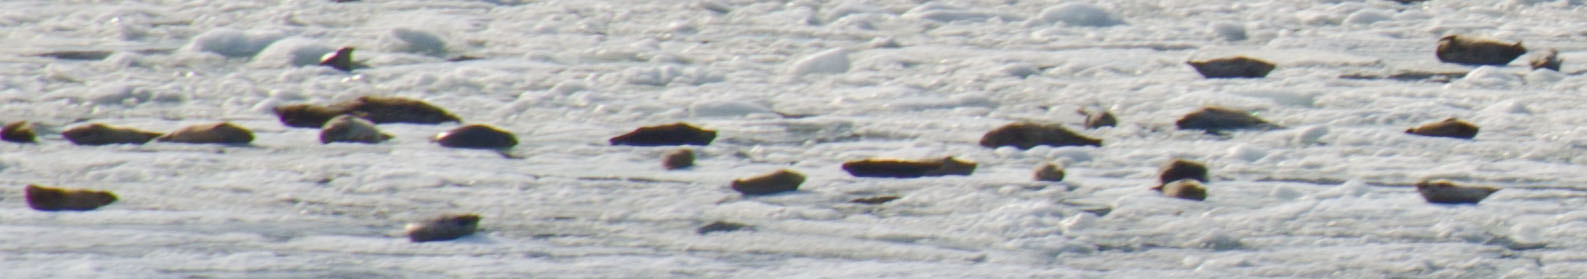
(800, 85)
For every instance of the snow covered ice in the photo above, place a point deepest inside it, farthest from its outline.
(800, 85)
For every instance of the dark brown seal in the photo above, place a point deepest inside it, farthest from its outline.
(772, 183)
(444, 227)
(895, 168)
(1189, 189)
(1217, 119)
(347, 128)
(1099, 118)
(383, 110)
(678, 159)
(477, 136)
(222, 133)
(1477, 51)
(1546, 59)
(101, 134)
(874, 200)
(307, 115)
(1049, 172)
(18, 132)
(342, 59)
(1026, 135)
(1449, 128)
(1182, 169)
(670, 134)
(1232, 67)
(721, 226)
(1446, 192)
(54, 199)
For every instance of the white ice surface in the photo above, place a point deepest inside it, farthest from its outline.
(802, 85)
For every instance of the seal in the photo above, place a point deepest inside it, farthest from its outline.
(1182, 169)
(721, 226)
(477, 136)
(895, 168)
(43, 198)
(875, 199)
(347, 128)
(444, 227)
(1189, 189)
(18, 132)
(1477, 51)
(772, 183)
(1546, 59)
(1099, 118)
(220, 133)
(670, 134)
(1049, 172)
(101, 134)
(1217, 119)
(1026, 135)
(678, 159)
(383, 110)
(342, 59)
(1449, 128)
(306, 115)
(1446, 192)
(1232, 67)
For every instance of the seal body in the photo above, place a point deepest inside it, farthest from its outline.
(56, 199)
(1449, 128)
(1477, 51)
(1049, 172)
(678, 159)
(670, 134)
(1215, 119)
(18, 132)
(397, 110)
(307, 115)
(721, 226)
(101, 134)
(221, 133)
(772, 183)
(477, 136)
(347, 128)
(1182, 169)
(445, 227)
(1099, 119)
(1232, 67)
(1189, 189)
(1025, 135)
(1446, 192)
(908, 169)
(1546, 59)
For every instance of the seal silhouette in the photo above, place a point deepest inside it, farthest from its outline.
(1546, 59)
(1099, 118)
(1214, 119)
(1449, 128)
(1026, 135)
(376, 109)
(347, 128)
(1182, 169)
(895, 168)
(1049, 172)
(1469, 50)
(441, 228)
(101, 134)
(1446, 192)
(43, 198)
(678, 159)
(771, 183)
(18, 132)
(220, 133)
(477, 136)
(1189, 189)
(1232, 67)
(670, 134)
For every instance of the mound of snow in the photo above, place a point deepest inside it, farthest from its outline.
(834, 61)
(413, 41)
(1367, 17)
(293, 52)
(1077, 14)
(233, 43)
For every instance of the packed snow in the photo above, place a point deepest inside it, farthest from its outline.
(805, 86)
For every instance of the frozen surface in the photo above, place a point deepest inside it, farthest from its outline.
(802, 85)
